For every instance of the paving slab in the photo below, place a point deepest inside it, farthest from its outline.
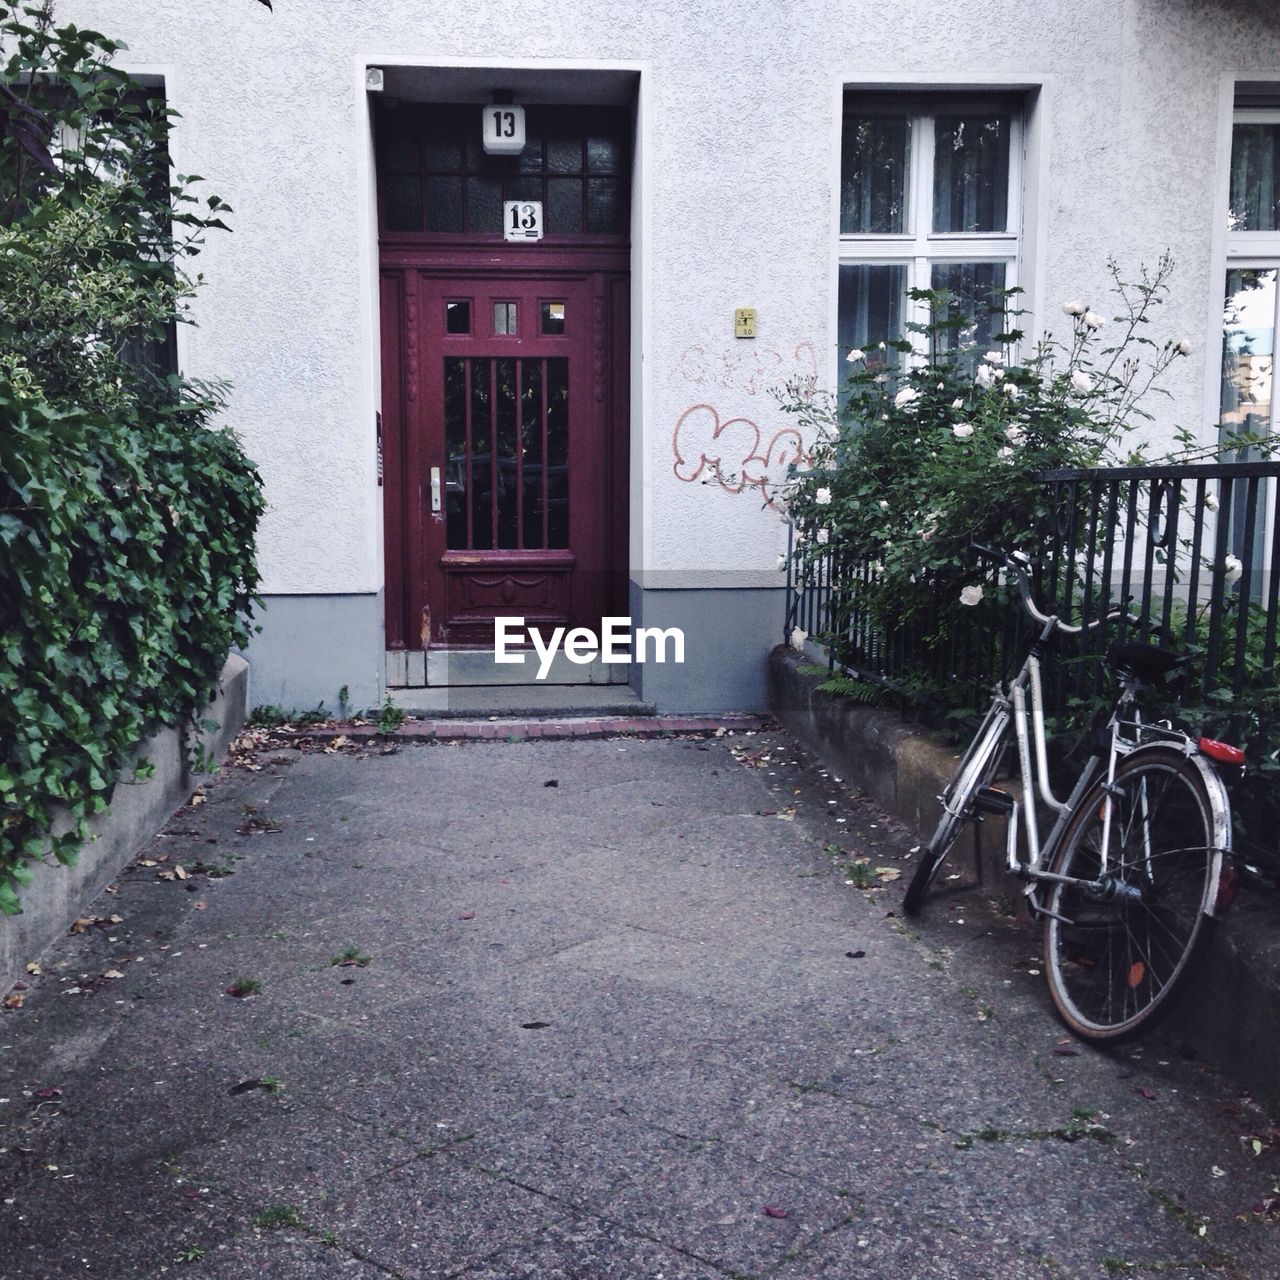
(649, 1021)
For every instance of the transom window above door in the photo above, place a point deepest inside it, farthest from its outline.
(929, 199)
(434, 176)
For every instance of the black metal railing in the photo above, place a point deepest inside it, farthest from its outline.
(1193, 552)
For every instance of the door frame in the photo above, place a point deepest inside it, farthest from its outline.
(406, 526)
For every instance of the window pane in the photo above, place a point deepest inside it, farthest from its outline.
(444, 204)
(557, 382)
(504, 318)
(971, 173)
(871, 304)
(455, 448)
(873, 174)
(1255, 190)
(505, 432)
(604, 153)
(484, 204)
(564, 205)
(457, 318)
(481, 457)
(402, 202)
(553, 317)
(604, 204)
(531, 425)
(442, 146)
(1248, 351)
(975, 289)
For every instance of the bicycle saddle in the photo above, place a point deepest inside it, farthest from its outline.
(1145, 661)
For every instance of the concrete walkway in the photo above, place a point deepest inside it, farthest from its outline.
(609, 1009)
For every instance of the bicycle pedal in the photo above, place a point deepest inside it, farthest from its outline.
(994, 801)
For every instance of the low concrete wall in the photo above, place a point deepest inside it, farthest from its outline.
(1230, 1014)
(138, 810)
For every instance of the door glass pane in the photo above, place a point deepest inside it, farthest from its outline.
(871, 303)
(505, 433)
(1255, 177)
(444, 204)
(402, 202)
(557, 378)
(604, 204)
(873, 174)
(457, 317)
(553, 317)
(481, 457)
(504, 318)
(971, 173)
(975, 289)
(604, 153)
(531, 421)
(455, 453)
(484, 204)
(564, 205)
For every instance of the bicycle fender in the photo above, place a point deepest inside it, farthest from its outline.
(1220, 816)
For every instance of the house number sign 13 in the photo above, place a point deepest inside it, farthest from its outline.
(503, 129)
(522, 219)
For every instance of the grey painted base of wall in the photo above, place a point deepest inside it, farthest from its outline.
(311, 646)
(138, 810)
(728, 631)
(1229, 1015)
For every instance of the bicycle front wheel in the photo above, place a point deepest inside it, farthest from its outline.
(979, 766)
(1116, 953)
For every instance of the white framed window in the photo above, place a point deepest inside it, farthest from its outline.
(930, 198)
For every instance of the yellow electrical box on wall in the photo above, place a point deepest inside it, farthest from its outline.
(744, 322)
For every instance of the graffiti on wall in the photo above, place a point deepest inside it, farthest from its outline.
(736, 452)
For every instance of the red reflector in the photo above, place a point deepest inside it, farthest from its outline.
(1221, 751)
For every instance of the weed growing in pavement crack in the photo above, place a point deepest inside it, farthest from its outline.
(281, 1215)
(351, 956)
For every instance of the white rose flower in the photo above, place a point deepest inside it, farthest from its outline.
(958, 402)
(881, 377)
(1182, 347)
(962, 430)
(823, 497)
(905, 397)
(994, 357)
(984, 377)
(823, 537)
(1211, 502)
(1013, 433)
(969, 596)
(998, 372)
(798, 637)
(1081, 381)
(1074, 308)
(1004, 452)
(856, 355)
(884, 506)
(1232, 570)
(1093, 320)
(880, 346)
(1011, 390)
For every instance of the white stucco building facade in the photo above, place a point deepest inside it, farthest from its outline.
(726, 179)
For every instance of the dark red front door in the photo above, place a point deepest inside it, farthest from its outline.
(504, 461)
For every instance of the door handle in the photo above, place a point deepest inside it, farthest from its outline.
(435, 488)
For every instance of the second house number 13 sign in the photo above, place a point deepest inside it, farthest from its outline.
(522, 220)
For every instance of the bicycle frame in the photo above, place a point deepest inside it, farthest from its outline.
(1023, 704)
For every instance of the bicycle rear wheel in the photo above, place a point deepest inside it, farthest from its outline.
(979, 766)
(1116, 957)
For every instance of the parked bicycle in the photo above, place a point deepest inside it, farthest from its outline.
(1137, 866)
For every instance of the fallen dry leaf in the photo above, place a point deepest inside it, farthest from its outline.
(200, 906)
(14, 1001)
(113, 973)
(34, 968)
(886, 874)
(773, 1211)
(180, 871)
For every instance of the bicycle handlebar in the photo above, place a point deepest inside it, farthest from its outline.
(1019, 564)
